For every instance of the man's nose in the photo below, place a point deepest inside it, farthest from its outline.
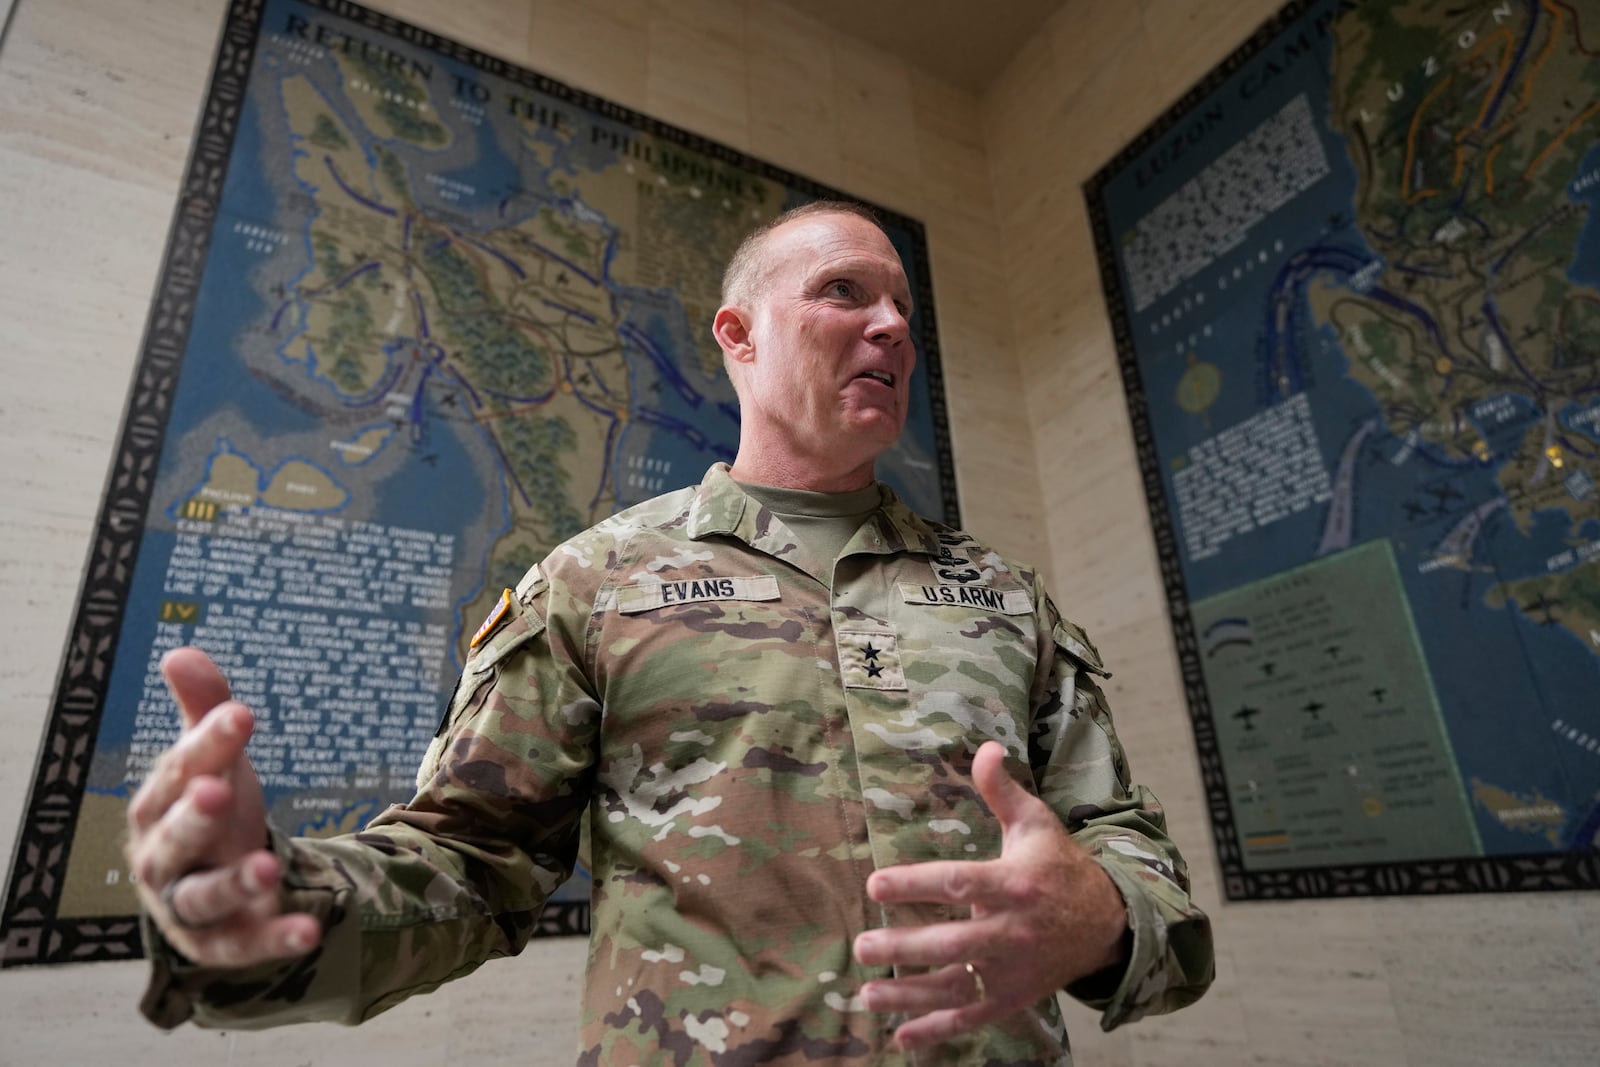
(888, 323)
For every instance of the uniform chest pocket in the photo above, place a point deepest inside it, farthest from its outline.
(977, 643)
(641, 597)
(974, 597)
(701, 628)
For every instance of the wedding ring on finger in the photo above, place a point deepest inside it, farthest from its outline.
(170, 902)
(977, 983)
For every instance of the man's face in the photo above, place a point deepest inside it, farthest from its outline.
(831, 362)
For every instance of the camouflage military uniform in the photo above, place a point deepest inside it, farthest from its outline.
(750, 732)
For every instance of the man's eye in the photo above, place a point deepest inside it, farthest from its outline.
(841, 289)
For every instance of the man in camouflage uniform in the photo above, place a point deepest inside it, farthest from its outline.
(852, 787)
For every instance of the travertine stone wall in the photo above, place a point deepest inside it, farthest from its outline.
(98, 101)
(1441, 981)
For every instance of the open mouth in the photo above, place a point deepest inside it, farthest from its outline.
(878, 376)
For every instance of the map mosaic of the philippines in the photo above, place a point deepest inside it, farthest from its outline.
(1355, 282)
(424, 316)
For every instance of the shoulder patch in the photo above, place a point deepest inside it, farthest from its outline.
(496, 617)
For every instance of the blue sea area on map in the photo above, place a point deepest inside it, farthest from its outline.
(1585, 266)
(209, 381)
(1406, 491)
(441, 491)
(1236, 313)
(447, 486)
(1502, 433)
(491, 174)
(681, 424)
(1584, 418)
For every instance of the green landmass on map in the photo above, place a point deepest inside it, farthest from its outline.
(1570, 599)
(393, 100)
(1532, 813)
(524, 317)
(1464, 158)
(235, 480)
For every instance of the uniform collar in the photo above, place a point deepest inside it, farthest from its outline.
(720, 506)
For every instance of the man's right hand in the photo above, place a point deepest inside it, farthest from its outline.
(197, 831)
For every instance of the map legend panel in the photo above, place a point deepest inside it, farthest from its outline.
(1327, 721)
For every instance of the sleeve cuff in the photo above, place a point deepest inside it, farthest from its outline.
(164, 1001)
(177, 988)
(1114, 991)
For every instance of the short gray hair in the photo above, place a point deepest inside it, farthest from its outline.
(747, 266)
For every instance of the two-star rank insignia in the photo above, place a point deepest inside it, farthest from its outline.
(868, 659)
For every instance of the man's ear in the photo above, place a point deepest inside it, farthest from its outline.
(732, 331)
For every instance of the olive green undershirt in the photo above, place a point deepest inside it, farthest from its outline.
(824, 522)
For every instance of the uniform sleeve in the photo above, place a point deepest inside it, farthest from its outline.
(1082, 774)
(434, 887)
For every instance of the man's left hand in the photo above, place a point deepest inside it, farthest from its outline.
(1044, 915)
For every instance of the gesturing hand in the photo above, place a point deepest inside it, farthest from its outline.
(196, 830)
(1044, 915)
